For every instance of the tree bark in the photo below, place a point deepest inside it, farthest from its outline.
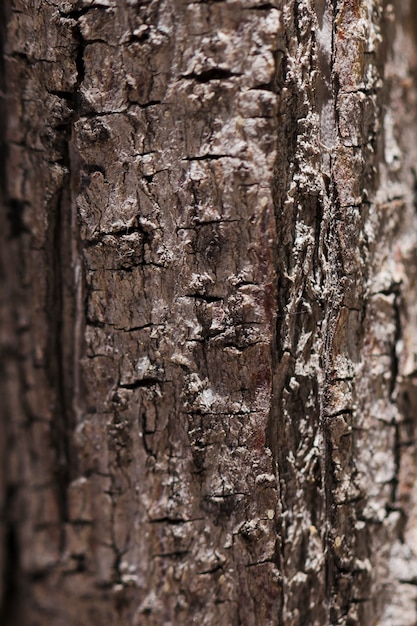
(208, 313)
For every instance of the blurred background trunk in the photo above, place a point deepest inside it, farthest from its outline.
(208, 313)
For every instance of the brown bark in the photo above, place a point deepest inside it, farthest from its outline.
(208, 315)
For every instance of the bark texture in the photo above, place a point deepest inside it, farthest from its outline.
(209, 316)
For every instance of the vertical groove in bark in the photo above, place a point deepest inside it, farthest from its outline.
(4, 550)
(39, 71)
(11, 227)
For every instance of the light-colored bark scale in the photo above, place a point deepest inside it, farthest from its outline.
(210, 381)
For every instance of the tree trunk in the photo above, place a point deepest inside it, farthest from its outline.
(209, 313)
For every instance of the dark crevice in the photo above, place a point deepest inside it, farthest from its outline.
(60, 376)
(145, 434)
(146, 105)
(414, 174)
(15, 216)
(11, 259)
(172, 521)
(264, 87)
(140, 38)
(38, 575)
(212, 570)
(206, 157)
(215, 73)
(175, 554)
(80, 564)
(317, 235)
(408, 581)
(24, 57)
(260, 563)
(69, 97)
(62, 299)
(89, 114)
(91, 322)
(11, 574)
(266, 6)
(397, 464)
(329, 416)
(144, 382)
(3, 106)
(204, 297)
(120, 232)
(92, 168)
(75, 14)
(395, 342)
(136, 328)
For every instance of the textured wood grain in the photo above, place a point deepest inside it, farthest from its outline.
(209, 317)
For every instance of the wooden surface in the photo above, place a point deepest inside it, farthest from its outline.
(209, 314)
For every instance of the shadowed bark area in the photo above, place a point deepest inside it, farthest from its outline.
(209, 326)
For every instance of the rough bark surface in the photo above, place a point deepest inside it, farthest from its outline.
(209, 316)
